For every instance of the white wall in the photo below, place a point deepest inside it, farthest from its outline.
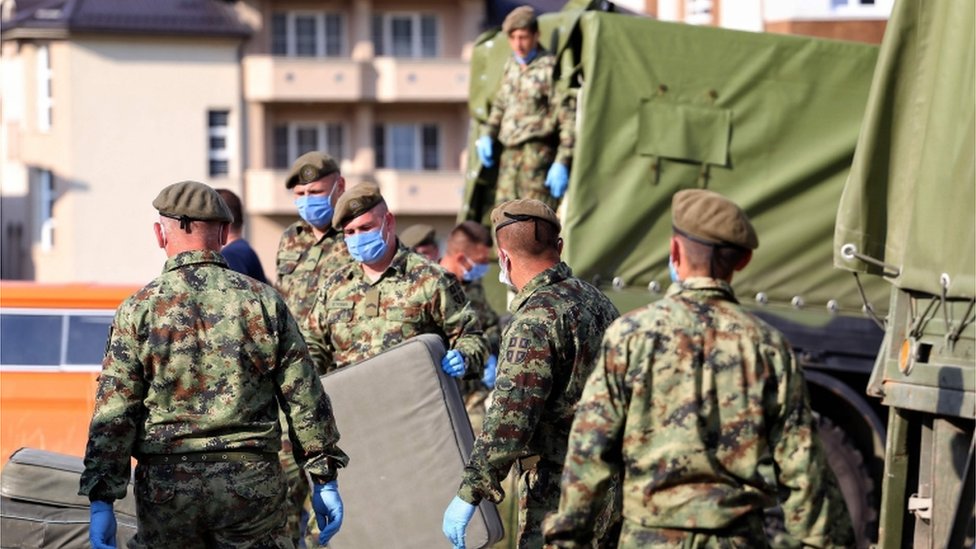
(138, 122)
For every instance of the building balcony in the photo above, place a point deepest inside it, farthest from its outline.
(384, 79)
(406, 192)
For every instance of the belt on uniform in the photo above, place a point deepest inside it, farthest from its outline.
(236, 456)
(528, 462)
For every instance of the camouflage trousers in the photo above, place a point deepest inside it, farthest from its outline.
(210, 505)
(522, 173)
(747, 533)
(476, 402)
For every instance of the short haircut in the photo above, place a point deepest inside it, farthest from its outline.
(465, 234)
(234, 203)
(717, 261)
(532, 238)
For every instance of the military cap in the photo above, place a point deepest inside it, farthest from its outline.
(417, 235)
(310, 167)
(192, 201)
(522, 17)
(710, 218)
(355, 202)
(523, 209)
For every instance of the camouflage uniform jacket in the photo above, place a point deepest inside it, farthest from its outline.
(304, 262)
(528, 106)
(199, 360)
(703, 408)
(475, 292)
(354, 319)
(547, 352)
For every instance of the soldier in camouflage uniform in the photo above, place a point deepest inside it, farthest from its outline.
(546, 354)
(703, 408)
(196, 367)
(422, 239)
(466, 257)
(310, 248)
(309, 251)
(532, 119)
(388, 296)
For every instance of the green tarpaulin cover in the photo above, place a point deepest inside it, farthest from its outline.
(769, 120)
(911, 197)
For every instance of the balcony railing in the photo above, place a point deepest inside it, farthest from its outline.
(385, 79)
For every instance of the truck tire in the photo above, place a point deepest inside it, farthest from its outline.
(852, 477)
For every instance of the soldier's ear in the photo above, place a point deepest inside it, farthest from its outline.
(744, 261)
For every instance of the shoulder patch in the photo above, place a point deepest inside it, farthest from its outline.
(518, 349)
(457, 293)
(504, 384)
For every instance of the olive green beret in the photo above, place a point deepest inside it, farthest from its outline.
(310, 167)
(192, 201)
(355, 202)
(523, 209)
(710, 218)
(522, 17)
(417, 235)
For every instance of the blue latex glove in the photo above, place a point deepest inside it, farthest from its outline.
(456, 519)
(328, 509)
(491, 368)
(483, 146)
(557, 179)
(453, 363)
(101, 529)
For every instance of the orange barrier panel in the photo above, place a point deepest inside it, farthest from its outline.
(46, 410)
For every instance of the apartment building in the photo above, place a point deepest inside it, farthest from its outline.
(381, 84)
(105, 102)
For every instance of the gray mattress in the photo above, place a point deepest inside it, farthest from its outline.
(39, 505)
(404, 426)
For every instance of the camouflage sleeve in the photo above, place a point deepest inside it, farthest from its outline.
(460, 325)
(486, 315)
(594, 450)
(119, 413)
(522, 386)
(497, 112)
(311, 424)
(565, 108)
(318, 337)
(814, 508)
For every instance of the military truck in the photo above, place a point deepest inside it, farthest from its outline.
(770, 121)
(908, 216)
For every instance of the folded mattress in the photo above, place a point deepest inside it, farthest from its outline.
(407, 434)
(40, 505)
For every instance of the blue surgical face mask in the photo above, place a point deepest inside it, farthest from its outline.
(476, 272)
(528, 57)
(316, 209)
(367, 247)
(673, 271)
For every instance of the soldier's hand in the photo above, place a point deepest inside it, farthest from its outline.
(456, 519)
(453, 363)
(102, 525)
(328, 509)
(491, 367)
(557, 179)
(483, 146)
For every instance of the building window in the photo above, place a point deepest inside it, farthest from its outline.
(295, 139)
(698, 12)
(45, 203)
(406, 35)
(407, 146)
(217, 143)
(307, 34)
(45, 99)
